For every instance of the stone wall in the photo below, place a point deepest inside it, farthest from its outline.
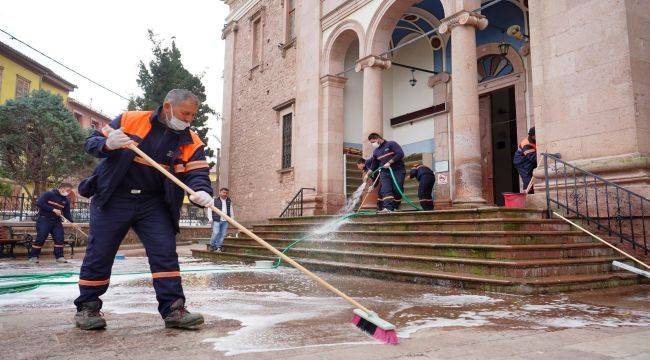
(257, 186)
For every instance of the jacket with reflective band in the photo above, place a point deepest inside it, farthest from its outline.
(525, 159)
(180, 152)
(51, 200)
(387, 151)
(527, 147)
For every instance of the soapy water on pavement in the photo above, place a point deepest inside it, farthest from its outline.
(274, 310)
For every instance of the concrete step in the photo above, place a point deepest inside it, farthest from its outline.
(496, 224)
(476, 251)
(488, 283)
(467, 266)
(448, 214)
(437, 237)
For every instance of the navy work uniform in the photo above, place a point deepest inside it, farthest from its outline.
(50, 223)
(388, 194)
(525, 160)
(366, 169)
(128, 193)
(426, 180)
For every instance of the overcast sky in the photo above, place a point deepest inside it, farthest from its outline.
(105, 40)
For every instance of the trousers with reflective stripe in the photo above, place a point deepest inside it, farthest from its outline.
(44, 227)
(425, 191)
(387, 191)
(149, 217)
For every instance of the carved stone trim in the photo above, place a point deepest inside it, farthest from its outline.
(228, 28)
(372, 61)
(436, 79)
(333, 80)
(461, 18)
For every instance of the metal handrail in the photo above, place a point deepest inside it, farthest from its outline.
(584, 195)
(295, 206)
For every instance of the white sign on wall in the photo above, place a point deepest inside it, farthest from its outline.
(441, 166)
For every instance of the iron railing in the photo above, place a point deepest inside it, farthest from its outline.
(23, 208)
(609, 207)
(295, 206)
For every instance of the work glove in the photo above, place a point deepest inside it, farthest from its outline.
(117, 139)
(201, 198)
(387, 165)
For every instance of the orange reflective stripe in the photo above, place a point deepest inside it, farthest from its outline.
(136, 123)
(36, 246)
(526, 152)
(165, 274)
(426, 200)
(55, 204)
(58, 245)
(93, 282)
(142, 161)
(199, 164)
(188, 150)
(386, 154)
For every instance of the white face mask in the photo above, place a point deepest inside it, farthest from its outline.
(175, 123)
(375, 144)
(63, 193)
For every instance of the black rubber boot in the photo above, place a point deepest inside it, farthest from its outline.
(180, 318)
(89, 317)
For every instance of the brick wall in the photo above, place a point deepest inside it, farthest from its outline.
(257, 189)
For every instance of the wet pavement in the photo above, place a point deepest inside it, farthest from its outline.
(279, 313)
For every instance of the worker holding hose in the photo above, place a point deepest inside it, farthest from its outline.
(388, 155)
(128, 193)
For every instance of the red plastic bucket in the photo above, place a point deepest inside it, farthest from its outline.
(515, 200)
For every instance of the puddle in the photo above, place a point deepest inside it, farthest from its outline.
(274, 310)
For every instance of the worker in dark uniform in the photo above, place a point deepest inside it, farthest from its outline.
(426, 180)
(388, 154)
(52, 206)
(525, 159)
(362, 164)
(128, 193)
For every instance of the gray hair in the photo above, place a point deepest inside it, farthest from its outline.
(177, 96)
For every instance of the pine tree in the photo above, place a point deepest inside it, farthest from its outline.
(41, 143)
(166, 72)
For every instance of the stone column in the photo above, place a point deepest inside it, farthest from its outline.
(330, 180)
(373, 114)
(468, 189)
(227, 34)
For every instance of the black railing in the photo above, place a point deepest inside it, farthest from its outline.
(23, 208)
(295, 206)
(609, 207)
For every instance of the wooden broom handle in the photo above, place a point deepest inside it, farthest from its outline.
(241, 228)
(602, 240)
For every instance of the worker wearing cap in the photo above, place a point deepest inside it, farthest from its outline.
(426, 180)
(525, 159)
(128, 193)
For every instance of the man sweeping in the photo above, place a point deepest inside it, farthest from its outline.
(388, 155)
(52, 206)
(127, 193)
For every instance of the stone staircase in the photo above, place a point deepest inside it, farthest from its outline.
(496, 249)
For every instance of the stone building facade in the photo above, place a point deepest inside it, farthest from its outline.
(460, 80)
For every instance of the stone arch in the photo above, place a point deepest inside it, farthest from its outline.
(338, 43)
(512, 56)
(384, 21)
